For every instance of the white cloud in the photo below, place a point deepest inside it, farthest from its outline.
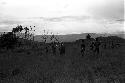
(65, 16)
(111, 9)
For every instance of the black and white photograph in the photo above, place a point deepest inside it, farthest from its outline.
(62, 41)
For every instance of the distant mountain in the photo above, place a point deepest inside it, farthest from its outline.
(121, 34)
(74, 37)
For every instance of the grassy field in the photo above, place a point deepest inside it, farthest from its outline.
(34, 65)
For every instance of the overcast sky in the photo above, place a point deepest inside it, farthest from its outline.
(63, 16)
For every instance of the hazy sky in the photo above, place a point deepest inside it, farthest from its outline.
(63, 16)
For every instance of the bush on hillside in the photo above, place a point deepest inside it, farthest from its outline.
(8, 40)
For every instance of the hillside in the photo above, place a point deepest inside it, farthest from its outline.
(74, 37)
(34, 64)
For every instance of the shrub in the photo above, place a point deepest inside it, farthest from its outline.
(8, 40)
(88, 37)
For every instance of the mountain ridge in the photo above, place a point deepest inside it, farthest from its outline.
(74, 37)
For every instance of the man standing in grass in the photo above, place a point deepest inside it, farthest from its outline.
(96, 44)
(62, 49)
(83, 47)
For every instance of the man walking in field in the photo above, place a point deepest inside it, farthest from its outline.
(46, 49)
(112, 45)
(62, 49)
(104, 45)
(83, 47)
(96, 45)
(92, 46)
(53, 48)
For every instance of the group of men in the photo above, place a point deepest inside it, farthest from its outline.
(56, 46)
(94, 46)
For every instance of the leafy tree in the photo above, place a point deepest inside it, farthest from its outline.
(29, 33)
(19, 28)
(8, 40)
(88, 37)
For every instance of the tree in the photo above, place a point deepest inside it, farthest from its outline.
(19, 28)
(29, 33)
(88, 37)
(8, 40)
(26, 32)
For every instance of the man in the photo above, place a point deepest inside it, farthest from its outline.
(97, 44)
(82, 47)
(92, 46)
(62, 49)
(46, 49)
(53, 48)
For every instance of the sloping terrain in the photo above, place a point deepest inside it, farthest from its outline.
(31, 64)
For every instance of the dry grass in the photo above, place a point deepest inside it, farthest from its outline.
(35, 66)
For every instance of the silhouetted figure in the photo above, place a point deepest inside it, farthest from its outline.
(112, 45)
(82, 47)
(46, 49)
(104, 45)
(96, 45)
(62, 49)
(92, 46)
(53, 48)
